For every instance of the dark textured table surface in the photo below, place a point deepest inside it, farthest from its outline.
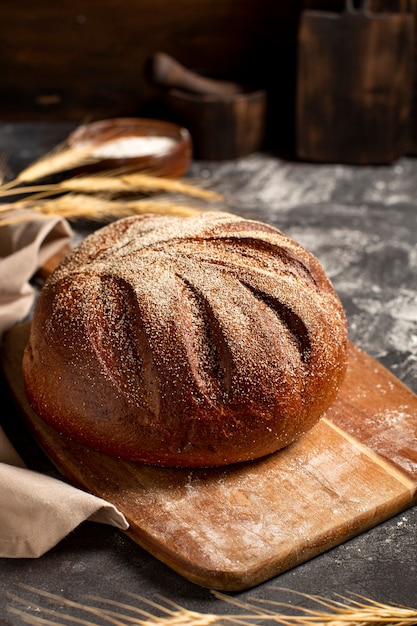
(361, 222)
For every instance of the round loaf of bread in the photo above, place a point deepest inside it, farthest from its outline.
(187, 342)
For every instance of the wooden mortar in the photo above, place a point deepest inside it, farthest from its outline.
(225, 119)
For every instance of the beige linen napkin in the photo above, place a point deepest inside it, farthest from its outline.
(36, 511)
(24, 247)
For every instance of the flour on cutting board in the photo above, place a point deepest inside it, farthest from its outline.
(303, 493)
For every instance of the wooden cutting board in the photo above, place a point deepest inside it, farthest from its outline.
(232, 528)
(354, 85)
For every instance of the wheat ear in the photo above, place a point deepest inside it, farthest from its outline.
(145, 612)
(133, 183)
(61, 159)
(80, 206)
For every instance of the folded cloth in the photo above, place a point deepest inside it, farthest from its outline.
(24, 248)
(36, 511)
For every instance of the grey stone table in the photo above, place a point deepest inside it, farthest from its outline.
(361, 222)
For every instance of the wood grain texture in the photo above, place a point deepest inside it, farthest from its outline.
(222, 128)
(83, 61)
(87, 61)
(232, 528)
(354, 86)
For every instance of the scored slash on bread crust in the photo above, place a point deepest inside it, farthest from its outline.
(187, 342)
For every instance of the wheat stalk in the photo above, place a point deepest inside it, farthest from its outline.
(342, 612)
(80, 206)
(116, 184)
(84, 197)
(60, 159)
(137, 183)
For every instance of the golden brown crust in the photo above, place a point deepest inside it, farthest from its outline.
(191, 342)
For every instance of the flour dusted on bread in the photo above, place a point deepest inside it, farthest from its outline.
(187, 342)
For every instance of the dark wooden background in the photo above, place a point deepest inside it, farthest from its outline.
(77, 60)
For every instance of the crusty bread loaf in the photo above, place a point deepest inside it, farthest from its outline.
(194, 341)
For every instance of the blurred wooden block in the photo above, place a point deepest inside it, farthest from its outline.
(354, 86)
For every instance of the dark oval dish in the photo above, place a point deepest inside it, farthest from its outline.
(172, 162)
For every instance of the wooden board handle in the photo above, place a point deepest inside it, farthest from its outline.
(51, 263)
(364, 6)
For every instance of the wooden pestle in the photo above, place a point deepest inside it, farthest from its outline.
(167, 72)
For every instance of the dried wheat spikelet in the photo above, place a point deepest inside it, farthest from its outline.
(94, 198)
(143, 183)
(117, 184)
(80, 206)
(61, 159)
(83, 207)
(74, 204)
(354, 611)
